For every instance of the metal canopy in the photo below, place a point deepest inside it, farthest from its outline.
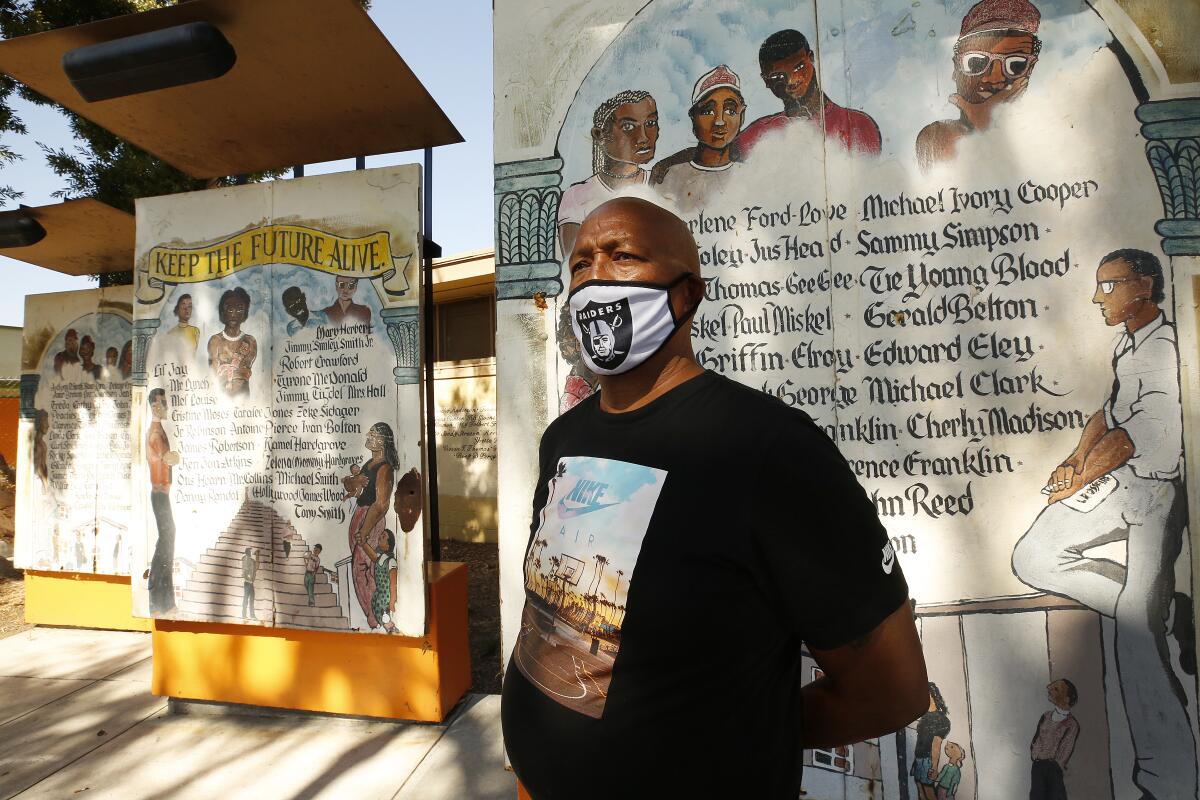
(314, 80)
(83, 237)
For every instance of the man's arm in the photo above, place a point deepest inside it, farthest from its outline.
(1067, 746)
(1100, 450)
(1092, 433)
(937, 142)
(1114, 449)
(871, 687)
(1065, 475)
(978, 116)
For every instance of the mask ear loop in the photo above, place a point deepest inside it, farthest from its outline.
(678, 321)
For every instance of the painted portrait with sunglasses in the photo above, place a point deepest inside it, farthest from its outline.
(994, 57)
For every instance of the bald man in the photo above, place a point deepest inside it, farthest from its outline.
(691, 539)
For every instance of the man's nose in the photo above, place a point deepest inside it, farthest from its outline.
(994, 73)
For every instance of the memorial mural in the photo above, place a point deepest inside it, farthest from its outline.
(73, 512)
(931, 226)
(277, 422)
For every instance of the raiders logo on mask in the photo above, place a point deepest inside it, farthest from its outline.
(620, 324)
(607, 331)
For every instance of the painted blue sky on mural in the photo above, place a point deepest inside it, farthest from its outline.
(901, 51)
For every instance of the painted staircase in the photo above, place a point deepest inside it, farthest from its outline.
(214, 588)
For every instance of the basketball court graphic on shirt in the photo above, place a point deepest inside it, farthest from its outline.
(577, 573)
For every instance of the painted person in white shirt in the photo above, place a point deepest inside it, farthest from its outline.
(624, 135)
(690, 176)
(1136, 439)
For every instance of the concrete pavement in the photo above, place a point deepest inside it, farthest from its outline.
(77, 720)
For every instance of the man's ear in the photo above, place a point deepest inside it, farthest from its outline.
(695, 291)
(597, 135)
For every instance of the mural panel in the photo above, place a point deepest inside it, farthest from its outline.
(278, 426)
(73, 470)
(932, 228)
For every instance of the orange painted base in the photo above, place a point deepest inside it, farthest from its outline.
(370, 675)
(9, 408)
(521, 793)
(80, 600)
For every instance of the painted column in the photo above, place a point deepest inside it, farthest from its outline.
(1172, 131)
(404, 328)
(527, 196)
(29, 387)
(143, 332)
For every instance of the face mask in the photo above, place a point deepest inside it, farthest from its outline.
(620, 324)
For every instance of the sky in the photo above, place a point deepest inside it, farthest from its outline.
(447, 45)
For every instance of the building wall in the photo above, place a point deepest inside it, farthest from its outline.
(10, 373)
(9, 408)
(465, 389)
(466, 397)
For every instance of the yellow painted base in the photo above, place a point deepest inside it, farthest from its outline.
(80, 600)
(362, 674)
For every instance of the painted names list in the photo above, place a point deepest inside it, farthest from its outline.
(923, 332)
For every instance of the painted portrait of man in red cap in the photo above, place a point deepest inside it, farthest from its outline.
(994, 57)
(717, 110)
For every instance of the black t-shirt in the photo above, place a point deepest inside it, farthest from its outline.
(680, 553)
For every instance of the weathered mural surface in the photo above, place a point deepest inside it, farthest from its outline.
(73, 469)
(931, 226)
(276, 425)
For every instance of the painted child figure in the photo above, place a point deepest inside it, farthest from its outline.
(312, 566)
(951, 774)
(355, 482)
(383, 599)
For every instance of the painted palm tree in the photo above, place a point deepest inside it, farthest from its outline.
(558, 473)
(555, 561)
(608, 607)
(535, 553)
(600, 562)
(617, 591)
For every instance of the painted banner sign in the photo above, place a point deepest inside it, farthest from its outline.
(369, 257)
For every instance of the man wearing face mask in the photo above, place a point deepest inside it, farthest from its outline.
(690, 536)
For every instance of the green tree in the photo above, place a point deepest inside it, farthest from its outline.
(100, 165)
